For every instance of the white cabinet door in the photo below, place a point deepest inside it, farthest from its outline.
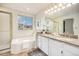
(72, 49)
(54, 51)
(45, 45)
(39, 42)
(42, 43)
(55, 48)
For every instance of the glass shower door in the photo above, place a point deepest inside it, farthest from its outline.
(4, 31)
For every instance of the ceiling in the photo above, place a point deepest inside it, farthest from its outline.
(31, 8)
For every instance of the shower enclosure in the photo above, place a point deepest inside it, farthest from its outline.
(5, 30)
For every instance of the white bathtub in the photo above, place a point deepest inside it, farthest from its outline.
(18, 45)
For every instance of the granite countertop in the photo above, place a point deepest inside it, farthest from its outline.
(62, 39)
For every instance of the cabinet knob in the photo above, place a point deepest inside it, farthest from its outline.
(61, 52)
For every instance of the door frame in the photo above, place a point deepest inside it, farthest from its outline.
(11, 36)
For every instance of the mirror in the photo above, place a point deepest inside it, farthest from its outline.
(65, 20)
(68, 26)
(52, 25)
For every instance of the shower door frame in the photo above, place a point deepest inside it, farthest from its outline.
(10, 22)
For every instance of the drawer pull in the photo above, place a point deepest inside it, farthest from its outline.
(61, 52)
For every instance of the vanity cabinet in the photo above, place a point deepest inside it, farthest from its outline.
(53, 47)
(57, 48)
(42, 43)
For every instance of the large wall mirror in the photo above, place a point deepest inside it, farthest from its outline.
(52, 25)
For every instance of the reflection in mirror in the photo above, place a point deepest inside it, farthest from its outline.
(65, 19)
(68, 26)
(49, 25)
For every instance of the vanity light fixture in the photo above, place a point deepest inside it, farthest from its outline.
(58, 7)
(68, 5)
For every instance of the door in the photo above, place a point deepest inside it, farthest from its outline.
(39, 42)
(45, 45)
(55, 48)
(4, 31)
(71, 50)
(42, 43)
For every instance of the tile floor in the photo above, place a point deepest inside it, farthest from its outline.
(36, 52)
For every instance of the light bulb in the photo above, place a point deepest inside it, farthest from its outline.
(68, 5)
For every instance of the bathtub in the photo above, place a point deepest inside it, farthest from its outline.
(20, 44)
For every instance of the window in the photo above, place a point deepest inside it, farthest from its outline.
(24, 22)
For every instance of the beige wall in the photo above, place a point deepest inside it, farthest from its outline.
(15, 32)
